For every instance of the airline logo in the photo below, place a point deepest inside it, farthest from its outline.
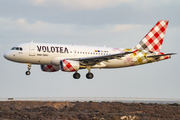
(154, 39)
(52, 49)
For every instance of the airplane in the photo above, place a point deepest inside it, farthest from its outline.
(71, 58)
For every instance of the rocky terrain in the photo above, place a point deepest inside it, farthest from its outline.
(36, 110)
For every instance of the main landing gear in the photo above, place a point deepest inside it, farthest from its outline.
(89, 75)
(76, 75)
(29, 67)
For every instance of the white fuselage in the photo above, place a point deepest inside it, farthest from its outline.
(47, 54)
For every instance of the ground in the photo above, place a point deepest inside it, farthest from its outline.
(38, 110)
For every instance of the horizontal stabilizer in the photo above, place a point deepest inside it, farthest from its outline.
(154, 56)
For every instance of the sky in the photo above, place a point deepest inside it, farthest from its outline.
(114, 23)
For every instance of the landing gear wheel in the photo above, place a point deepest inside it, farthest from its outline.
(89, 75)
(28, 72)
(29, 67)
(76, 75)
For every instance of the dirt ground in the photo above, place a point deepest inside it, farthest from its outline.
(36, 110)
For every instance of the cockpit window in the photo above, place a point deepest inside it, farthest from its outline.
(17, 48)
(13, 48)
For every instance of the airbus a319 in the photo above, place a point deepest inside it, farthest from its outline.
(72, 58)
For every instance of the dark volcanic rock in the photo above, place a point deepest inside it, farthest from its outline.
(87, 111)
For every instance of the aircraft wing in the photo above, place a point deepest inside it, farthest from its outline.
(96, 59)
(155, 56)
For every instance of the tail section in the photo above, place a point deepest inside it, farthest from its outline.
(154, 39)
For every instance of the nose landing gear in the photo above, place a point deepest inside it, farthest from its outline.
(28, 72)
(29, 67)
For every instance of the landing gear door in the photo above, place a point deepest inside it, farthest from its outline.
(31, 50)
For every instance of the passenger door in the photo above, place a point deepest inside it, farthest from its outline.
(31, 50)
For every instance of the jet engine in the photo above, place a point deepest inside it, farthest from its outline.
(49, 68)
(69, 65)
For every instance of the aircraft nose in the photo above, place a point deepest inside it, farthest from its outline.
(7, 55)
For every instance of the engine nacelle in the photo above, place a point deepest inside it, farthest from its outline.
(49, 68)
(69, 65)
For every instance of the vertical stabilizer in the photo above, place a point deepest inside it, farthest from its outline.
(154, 39)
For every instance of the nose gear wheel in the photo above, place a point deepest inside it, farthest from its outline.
(29, 67)
(28, 72)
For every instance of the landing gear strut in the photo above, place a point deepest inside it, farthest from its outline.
(89, 75)
(29, 67)
(76, 75)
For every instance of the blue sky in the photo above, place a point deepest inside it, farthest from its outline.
(114, 23)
